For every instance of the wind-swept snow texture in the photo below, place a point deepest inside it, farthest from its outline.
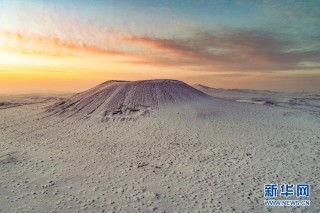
(203, 156)
(127, 98)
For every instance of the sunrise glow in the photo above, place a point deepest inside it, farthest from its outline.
(58, 46)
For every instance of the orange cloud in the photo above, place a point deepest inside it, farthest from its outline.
(175, 47)
(40, 43)
(224, 50)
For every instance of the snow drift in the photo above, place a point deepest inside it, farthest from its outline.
(127, 98)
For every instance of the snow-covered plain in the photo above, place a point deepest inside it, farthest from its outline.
(201, 155)
(305, 101)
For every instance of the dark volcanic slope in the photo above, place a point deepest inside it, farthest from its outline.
(114, 98)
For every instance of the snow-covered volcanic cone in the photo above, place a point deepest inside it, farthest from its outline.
(127, 98)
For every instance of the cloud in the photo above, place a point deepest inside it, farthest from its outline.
(219, 50)
(64, 30)
(230, 49)
(175, 47)
(48, 45)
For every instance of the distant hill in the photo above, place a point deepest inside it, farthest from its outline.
(127, 98)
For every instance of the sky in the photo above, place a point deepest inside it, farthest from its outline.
(70, 46)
